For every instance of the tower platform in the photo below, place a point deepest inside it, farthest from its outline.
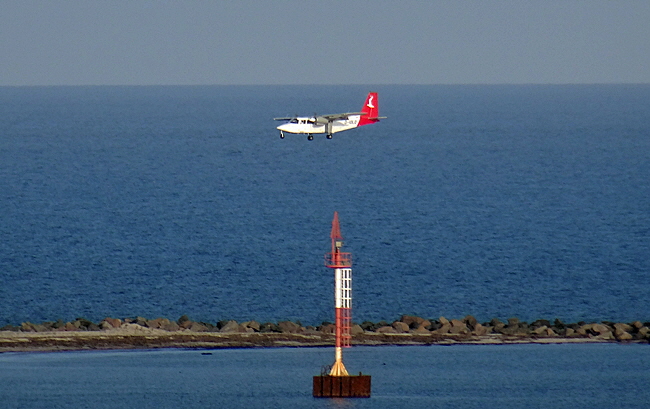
(355, 386)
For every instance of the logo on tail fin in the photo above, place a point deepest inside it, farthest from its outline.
(369, 104)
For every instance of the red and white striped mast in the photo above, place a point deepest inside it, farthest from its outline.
(342, 265)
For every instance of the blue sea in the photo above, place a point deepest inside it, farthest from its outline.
(529, 201)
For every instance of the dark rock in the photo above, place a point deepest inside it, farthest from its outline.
(421, 330)
(186, 324)
(157, 323)
(386, 330)
(620, 328)
(443, 329)
(208, 325)
(356, 330)
(425, 325)
(183, 318)
(198, 327)
(10, 328)
(243, 328)
(172, 326)
(368, 326)
(85, 324)
(584, 330)
(601, 331)
(540, 323)
(289, 327)
(623, 332)
(480, 330)
(514, 327)
(112, 322)
(327, 328)
(230, 326)
(523, 329)
(31, 327)
(470, 321)
(27, 327)
(269, 327)
(400, 327)
(558, 324)
(506, 330)
(254, 325)
(222, 323)
(311, 330)
(458, 327)
(412, 321)
(496, 323)
(58, 324)
(624, 336)
(48, 325)
(434, 326)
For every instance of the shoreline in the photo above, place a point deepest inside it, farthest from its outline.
(128, 340)
(140, 333)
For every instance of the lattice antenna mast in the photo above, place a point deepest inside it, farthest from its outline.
(342, 264)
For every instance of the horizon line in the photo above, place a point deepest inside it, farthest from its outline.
(328, 84)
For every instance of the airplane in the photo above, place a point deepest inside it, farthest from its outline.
(332, 123)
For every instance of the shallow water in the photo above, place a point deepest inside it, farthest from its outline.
(478, 376)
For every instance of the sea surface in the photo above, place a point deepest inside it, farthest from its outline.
(497, 201)
(465, 376)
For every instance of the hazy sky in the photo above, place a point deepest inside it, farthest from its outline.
(140, 42)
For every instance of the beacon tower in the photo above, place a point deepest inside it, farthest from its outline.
(338, 383)
(341, 263)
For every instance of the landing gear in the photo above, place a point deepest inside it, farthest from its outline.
(281, 135)
(310, 137)
(328, 130)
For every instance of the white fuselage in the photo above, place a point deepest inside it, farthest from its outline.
(305, 125)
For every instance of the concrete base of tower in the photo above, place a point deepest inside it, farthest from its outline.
(355, 386)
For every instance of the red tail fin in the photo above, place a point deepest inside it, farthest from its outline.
(371, 110)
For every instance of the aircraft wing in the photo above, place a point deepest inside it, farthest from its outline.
(323, 119)
(345, 115)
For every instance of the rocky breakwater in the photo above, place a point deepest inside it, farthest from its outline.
(139, 332)
(469, 330)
